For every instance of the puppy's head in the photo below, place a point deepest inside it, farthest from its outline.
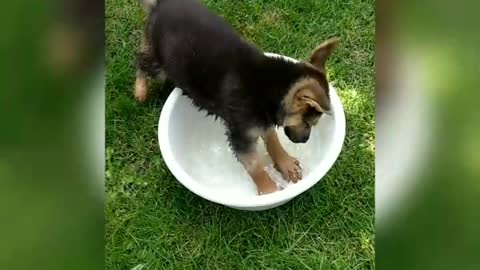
(308, 98)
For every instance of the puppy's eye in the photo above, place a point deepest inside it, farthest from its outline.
(307, 125)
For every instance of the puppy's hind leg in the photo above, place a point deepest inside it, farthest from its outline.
(147, 67)
(143, 61)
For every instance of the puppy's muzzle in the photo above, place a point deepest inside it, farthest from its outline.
(295, 136)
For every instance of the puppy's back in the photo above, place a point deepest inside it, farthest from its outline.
(196, 47)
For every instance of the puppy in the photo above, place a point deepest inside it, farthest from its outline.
(232, 79)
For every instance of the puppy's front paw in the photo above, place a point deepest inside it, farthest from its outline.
(290, 168)
(268, 188)
(266, 185)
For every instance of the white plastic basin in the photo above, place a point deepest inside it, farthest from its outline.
(195, 150)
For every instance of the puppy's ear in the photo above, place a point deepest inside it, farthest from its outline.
(321, 103)
(321, 53)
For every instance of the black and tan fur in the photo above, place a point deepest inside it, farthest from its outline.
(233, 80)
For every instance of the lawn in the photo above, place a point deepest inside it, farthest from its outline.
(153, 222)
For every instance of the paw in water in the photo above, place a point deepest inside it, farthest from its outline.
(266, 185)
(290, 168)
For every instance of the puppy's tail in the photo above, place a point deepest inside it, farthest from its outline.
(148, 5)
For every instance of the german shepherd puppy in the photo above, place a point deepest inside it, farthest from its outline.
(233, 80)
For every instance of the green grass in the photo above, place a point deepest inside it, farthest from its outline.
(153, 222)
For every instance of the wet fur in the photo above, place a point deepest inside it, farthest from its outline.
(218, 70)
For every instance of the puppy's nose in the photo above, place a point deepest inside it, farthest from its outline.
(305, 138)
